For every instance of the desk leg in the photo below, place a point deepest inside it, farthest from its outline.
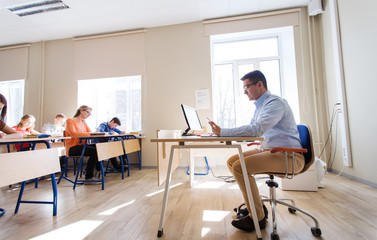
(80, 165)
(55, 195)
(165, 201)
(20, 196)
(192, 169)
(249, 193)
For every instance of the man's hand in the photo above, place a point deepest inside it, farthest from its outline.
(215, 128)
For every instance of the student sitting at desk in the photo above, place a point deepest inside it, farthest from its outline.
(25, 127)
(77, 127)
(6, 131)
(111, 128)
(56, 128)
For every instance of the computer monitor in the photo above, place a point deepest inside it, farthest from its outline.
(192, 119)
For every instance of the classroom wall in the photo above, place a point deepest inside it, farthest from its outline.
(176, 67)
(358, 38)
(178, 63)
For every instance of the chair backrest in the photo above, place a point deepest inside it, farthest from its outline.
(131, 146)
(307, 143)
(106, 150)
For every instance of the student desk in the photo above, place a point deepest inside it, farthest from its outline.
(32, 141)
(96, 139)
(32, 173)
(206, 142)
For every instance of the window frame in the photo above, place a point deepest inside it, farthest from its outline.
(285, 90)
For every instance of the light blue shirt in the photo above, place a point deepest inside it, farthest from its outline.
(273, 119)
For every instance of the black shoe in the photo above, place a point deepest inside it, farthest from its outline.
(243, 212)
(247, 224)
(120, 167)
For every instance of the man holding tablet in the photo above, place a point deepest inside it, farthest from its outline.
(273, 119)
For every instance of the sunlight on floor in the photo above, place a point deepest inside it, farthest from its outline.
(235, 186)
(114, 209)
(205, 230)
(78, 230)
(160, 191)
(209, 184)
(214, 215)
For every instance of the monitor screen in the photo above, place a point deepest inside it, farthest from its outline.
(192, 118)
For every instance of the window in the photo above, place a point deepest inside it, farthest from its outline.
(234, 55)
(112, 97)
(13, 91)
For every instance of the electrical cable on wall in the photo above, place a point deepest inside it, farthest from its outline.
(335, 112)
(329, 141)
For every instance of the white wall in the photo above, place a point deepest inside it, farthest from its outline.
(358, 37)
(178, 63)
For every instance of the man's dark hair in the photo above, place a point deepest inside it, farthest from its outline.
(255, 76)
(115, 120)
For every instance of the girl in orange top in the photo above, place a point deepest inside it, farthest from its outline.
(77, 127)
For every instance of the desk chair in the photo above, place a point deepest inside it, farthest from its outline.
(110, 169)
(130, 146)
(64, 171)
(307, 150)
(107, 150)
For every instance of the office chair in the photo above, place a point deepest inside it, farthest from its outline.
(307, 150)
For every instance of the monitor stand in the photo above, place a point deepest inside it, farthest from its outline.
(186, 133)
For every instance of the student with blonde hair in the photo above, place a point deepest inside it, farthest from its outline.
(56, 128)
(25, 127)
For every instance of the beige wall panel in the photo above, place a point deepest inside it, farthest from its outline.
(60, 89)
(358, 38)
(178, 63)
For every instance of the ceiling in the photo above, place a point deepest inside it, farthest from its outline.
(88, 17)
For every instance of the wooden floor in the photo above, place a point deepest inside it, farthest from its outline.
(130, 209)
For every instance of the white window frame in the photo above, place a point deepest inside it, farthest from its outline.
(15, 104)
(94, 102)
(288, 84)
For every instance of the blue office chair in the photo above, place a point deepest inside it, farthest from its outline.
(307, 150)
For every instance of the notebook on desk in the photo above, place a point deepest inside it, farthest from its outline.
(97, 134)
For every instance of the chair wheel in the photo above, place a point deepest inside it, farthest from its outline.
(316, 231)
(274, 236)
(291, 210)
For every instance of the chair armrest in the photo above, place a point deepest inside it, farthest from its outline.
(284, 149)
(253, 143)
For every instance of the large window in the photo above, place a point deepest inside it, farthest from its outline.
(112, 97)
(13, 91)
(234, 55)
